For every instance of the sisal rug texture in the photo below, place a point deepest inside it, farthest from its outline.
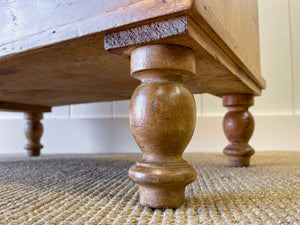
(95, 189)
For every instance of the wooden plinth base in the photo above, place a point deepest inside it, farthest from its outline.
(238, 125)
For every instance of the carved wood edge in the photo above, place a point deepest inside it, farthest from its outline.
(20, 107)
(182, 30)
(124, 41)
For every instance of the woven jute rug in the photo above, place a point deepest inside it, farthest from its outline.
(95, 189)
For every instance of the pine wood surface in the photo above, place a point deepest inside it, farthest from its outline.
(49, 62)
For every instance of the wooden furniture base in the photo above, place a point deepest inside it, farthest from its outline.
(53, 53)
(33, 132)
(238, 125)
(162, 120)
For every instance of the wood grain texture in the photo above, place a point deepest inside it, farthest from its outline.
(162, 120)
(33, 133)
(17, 23)
(233, 25)
(66, 21)
(63, 75)
(238, 125)
(143, 34)
(79, 72)
(67, 64)
(222, 75)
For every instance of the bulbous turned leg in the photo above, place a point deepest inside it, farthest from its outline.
(162, 120)
(33, 132)
(238, 125)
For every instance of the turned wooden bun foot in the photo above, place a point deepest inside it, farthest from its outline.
(169, 197)
(238, 155)
(162, 120)
(238, 125)
(35, 152)
(162, 185)
(33, 132)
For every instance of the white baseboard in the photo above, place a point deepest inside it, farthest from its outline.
(112, 135)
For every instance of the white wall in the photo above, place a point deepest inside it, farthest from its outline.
(104, 127)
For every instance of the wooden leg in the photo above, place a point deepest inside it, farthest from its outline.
(162, 120)
(33, 132)
(238, 125)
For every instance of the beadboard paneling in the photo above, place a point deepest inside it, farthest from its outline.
(92, 110)
(11, 115)
(276, 67)
(12, 136)
(198, 101)
(212, 106)
(121, 109)
(295, 50)
(209, 136)
(113, 135)
(59, 112)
